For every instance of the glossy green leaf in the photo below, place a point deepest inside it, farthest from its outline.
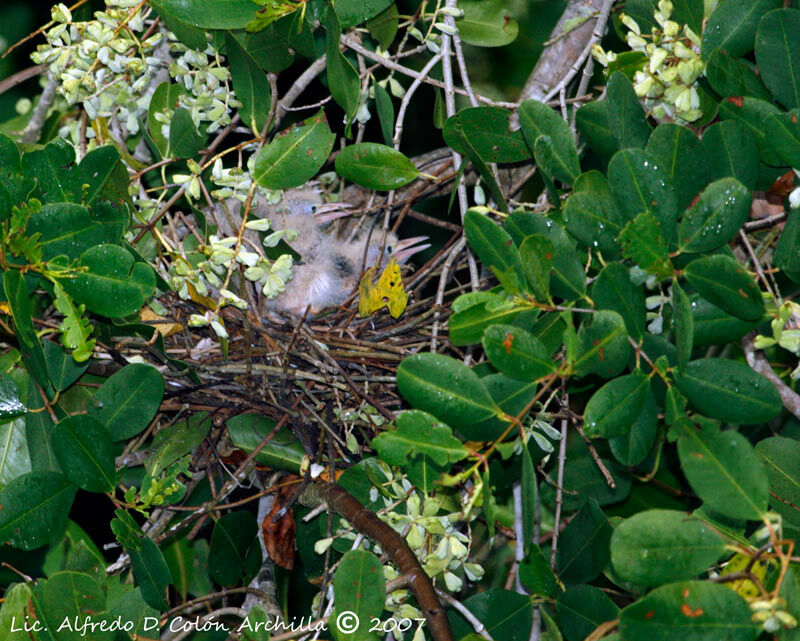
(71, 229)
(639, 185)
(283, 451)
(614, 291)
(486, 23)
(738, 491)
(385, 108)
(511, 395)
(712, 326)
(295, 155)
(383, 26)
(517, 353)
(680, 154)
(235, 548)
(53, 167)
(85, 453)
(209, 14)
(538, 257)
(128, 400)
(487, 130)
(13, 609)
(176, 440)
(787, 252)
(603, 347)
(184, 140)
(505, 615)
(689, 12)
(114, 284)
(585, 482)
(71, 596)
(535, 573)
(778, 54)
(15, 460)
(717, 216)
(730, 77)
(583, 547)
(734, 151)
(418, 433)
(35, 508)
(612, 409)
(581, 608)
(14, 184)
(494, 247)
(151, 573)
(729, 391)
(754, 114)
(626, 117)
(593, 123)
(268, 48)
(594, 220)
(250, 85)
(359, 588)
(343, 79)
(446, 388)
(467, 325)
(642, 243)
(654, 547)
(783, 131)
(732, 26)
(633, 447)
(462, 140)
(165, 101)
(781, 457)
(375, 166)
(691, 611)
(10, 404)
(721, 280)
(557, 155)
(683, 323)
(353, 12)
(38, 434)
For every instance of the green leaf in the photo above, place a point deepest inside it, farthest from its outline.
(634, 446)
(14, 184)
(603, 347)
(729, 391)
(488, 132)
(739, 490)
(19, 302)
(235, 548)
(184, 141)
(584, 481)
(593, 124)
(529, 498)
(75, 328)
(172, 442)
(535, 573)
(734, 151)
(689, 12)
(639, 185)
(165, 101)
(778, 54)
(14, 608)
(71, 596)
(613, 290)
(343, 79)
(517, 353)
(418, 434)
(683, 322)
(70, 229)
(10, 405)
(717, 216)
(35, 508)
(506, 615)
(250, 85)
(581, 608)
(385, 108)
(626, 117)
(583, 551)
(209, 14)
(494, 247)
(486, 23)
(721, 280)
(786, 255)
(256, 625)
(462, 140)
(594, 220)
(268, 48)
(538, 257)
(283, 451)
(38, 432)
(360, 588)
(63, 368)
(54, 170)
(151, 573)
(295, 155)
(783, 131)
(85, 453)
(383, 26)
(754, 114)
(113, 285)
(14, 458)
(781, 457)
(732, 26)
(612, 409)
(659, 546)
(691, 611)
(467, 325)
(128, 400)
(712, 326)
(511, 396)
(642, 243)
(446, 388)
(730, 77)
(375, 166)
(558, 157)
(680, 154)
(353, 12)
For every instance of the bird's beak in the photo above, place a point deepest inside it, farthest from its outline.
(406, 248)
(329, 212)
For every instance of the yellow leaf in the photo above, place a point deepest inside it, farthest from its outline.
(745, 587)
(387, 292)
(166, 328)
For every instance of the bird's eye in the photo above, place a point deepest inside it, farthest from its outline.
(313, 209)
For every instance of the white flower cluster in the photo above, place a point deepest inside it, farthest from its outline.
(667, 82)
(102, 63)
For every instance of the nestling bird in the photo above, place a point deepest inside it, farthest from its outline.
(331, 256)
